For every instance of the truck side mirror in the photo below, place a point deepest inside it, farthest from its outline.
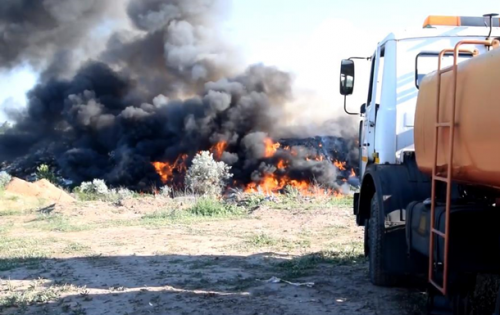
(346, 77)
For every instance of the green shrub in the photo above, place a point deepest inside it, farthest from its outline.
(44, 172)
(5, 179)
(208, 207)
(207, 176)
(94, 190)
(98, 190)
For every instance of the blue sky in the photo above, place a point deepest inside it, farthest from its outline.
(253, 21)
(307, 38)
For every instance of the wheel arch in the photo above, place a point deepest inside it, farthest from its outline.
(396, 186)
(366, 193)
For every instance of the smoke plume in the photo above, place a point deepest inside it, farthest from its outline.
(164, 84)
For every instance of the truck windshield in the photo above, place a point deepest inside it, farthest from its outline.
(427, 62)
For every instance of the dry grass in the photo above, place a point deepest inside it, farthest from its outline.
(37, 292)
(155, 254)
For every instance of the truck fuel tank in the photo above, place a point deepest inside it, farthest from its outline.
(476, 153)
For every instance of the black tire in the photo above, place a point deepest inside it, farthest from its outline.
(375, 247)
(366, 243)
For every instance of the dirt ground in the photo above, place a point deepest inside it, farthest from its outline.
(141, 257)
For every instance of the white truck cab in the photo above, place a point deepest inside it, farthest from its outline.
(398, 64)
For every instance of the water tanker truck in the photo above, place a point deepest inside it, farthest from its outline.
(429, 145)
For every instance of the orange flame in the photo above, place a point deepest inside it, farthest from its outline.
(271, 147)
(166, 169)
(282, 164)
(353, 174)
(339, 165)
(316, 158)
(218, 148)
(272, 184)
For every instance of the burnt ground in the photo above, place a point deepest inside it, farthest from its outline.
(155, 256)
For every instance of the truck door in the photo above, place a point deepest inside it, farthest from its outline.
(367, 141)
(364, 128)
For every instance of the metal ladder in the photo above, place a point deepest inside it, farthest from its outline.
(451, 125)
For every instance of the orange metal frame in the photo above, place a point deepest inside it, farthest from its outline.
(435, 176)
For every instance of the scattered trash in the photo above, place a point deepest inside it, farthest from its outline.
(296, 284)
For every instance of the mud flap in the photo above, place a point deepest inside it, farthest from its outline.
(395, 259)
(355, 204)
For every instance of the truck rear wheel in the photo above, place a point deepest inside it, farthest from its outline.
(374, 244)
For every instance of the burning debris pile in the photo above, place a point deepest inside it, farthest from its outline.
(294, 162)
(299, 163)
(163, 88)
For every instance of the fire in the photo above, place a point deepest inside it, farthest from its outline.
(353, 174)
(166, 169)
(271, 147)
(339, 165)
(272, 184)
(218, 149)
(282, 164)
(275, 182)
(316, 158)
(293, 151)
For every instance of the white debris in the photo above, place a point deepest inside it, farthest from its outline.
(296, 284)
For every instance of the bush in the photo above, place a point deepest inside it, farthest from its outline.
(94, 190)
(292, 192)
(165, 191)
(96, 187)
(208, 207)
(44, 172)
(5, 179)
(98, 190)
(122, 193)
(207, 176)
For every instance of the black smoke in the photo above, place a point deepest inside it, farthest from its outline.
(45, 32)
(163, 86)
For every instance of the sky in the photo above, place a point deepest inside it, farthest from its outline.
(307, 38)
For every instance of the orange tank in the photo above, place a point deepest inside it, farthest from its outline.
(477, 135)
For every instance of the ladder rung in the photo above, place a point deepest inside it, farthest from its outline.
(443, 124)
(440, 288)
(441, 178)
(445, 70)
(439, 233)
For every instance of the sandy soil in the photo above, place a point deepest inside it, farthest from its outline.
(222, 266)
(39, 189)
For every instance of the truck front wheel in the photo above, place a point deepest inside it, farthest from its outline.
(374, 244)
